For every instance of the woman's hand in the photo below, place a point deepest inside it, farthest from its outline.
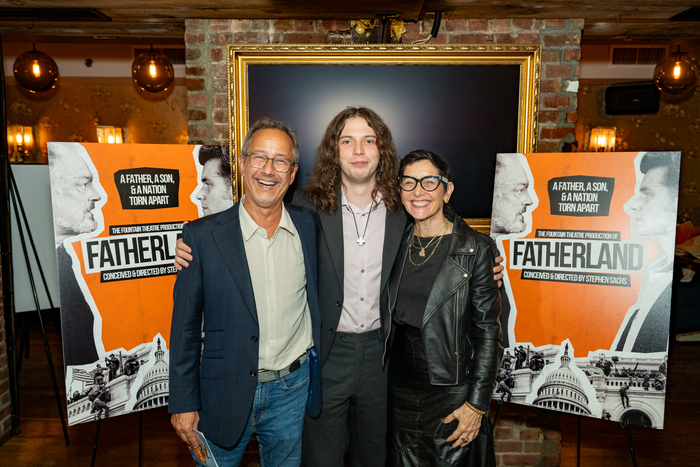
(468, 428)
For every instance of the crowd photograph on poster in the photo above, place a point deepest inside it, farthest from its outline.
(435, 237)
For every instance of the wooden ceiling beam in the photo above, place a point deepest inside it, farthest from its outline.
(165, 18)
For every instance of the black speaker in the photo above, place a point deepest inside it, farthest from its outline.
(632, 99)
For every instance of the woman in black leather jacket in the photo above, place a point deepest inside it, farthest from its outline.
(446, 337)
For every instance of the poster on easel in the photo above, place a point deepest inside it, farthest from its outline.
(118, 211)
(588, 242)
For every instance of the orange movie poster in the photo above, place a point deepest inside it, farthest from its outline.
(588, 240)
(118, 212)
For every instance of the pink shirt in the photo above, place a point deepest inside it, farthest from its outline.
(362, 265)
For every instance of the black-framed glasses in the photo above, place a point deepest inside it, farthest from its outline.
(279, 163)
(429, 182)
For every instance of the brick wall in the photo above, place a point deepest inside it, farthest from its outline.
(206, 41)
(5, 421)
(524, 436)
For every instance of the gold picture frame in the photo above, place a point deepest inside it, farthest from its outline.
(246, 63)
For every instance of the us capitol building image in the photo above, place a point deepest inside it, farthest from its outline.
(626, 388)
(83, 406)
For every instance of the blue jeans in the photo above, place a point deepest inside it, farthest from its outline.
(277, 419)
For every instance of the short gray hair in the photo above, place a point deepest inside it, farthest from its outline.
(265, 123)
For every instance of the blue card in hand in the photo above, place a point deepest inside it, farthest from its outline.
(210, 461)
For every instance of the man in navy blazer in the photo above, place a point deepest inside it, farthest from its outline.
(253, 285)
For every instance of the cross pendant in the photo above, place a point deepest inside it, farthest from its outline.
(361, 241)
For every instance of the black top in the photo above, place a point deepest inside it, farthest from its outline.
(417, 281)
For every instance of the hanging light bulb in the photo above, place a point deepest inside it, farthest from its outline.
(677, 73)
(36, 71)
(602, 139)
(153, 71)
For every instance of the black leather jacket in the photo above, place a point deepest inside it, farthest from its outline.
(461, 329)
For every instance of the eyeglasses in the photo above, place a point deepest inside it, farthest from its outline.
(428, 183)
(259, 161)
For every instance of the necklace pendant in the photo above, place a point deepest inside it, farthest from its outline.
(361, 240)
(422, 252)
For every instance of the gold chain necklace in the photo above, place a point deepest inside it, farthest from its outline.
(422, 248)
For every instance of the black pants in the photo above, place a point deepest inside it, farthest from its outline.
(416, 434)
(353, 417)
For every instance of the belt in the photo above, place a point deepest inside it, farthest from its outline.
(265, 376)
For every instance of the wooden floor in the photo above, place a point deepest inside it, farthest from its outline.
(603, 444)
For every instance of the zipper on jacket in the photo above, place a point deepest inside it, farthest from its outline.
(457, 338)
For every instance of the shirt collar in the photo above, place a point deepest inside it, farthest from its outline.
(345, 203)
(249, 227)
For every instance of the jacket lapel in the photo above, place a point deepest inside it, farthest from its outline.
(393, 231)
(229, 241)
(333, 231)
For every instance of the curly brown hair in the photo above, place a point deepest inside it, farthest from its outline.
(325, 177)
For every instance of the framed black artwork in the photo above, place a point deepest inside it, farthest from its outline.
(467, 103)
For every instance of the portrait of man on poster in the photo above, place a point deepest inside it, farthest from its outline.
(214, 192)
(514, 199)
(77, 199)
(652, 210)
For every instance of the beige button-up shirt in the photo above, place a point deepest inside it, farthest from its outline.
(278, 274)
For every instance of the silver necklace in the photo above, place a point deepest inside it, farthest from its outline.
(361, 238)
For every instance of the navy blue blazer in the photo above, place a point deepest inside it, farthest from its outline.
(217, 287)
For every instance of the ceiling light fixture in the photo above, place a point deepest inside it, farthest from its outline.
(35, 71)
(152, 71)
(677, 73)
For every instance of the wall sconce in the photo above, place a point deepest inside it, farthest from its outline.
(676, 73)
(152, 71)
(36, 71)
(602, 139)
(110, 134)
(21, 143)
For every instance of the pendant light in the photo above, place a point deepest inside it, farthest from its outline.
(677, 73)
(36, 71)
(152, 71)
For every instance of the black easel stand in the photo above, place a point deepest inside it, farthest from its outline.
(97, 437)
(495, 414)
(578, 444)
(14, 195)
(626, 425)
(140, 435)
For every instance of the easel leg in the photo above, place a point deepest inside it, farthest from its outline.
(97, 437)
(626, 425)
(53, 380)
(140, 435)
(23, 343)
(578, 444)
(495, 415)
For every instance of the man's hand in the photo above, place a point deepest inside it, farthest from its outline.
(184, 423)
(497, 270)
(182, 255)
